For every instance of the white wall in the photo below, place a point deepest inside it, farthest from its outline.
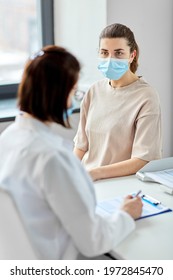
(78, 24)
(77, 27)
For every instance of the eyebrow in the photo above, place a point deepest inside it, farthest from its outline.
(118, 50)
(104, 50)
(114, 50)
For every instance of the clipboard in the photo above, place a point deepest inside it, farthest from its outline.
(151, 206)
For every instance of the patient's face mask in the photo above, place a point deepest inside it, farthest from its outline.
(113, 68)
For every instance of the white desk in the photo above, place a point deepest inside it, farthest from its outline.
(153, 237)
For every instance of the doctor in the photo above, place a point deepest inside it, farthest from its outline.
(53, 193)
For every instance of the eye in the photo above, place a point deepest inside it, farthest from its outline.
(103, 53)
(119, 54)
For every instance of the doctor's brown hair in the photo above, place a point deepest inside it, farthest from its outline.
(49, 76)
(117, 30)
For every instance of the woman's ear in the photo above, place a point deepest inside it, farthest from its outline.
(132, 56)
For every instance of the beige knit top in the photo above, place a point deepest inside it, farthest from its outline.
(119, 124)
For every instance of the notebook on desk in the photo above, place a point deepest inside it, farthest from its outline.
(160, 171)
(151, 206)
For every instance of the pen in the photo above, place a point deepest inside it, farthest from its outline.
(151, 200)
(135, 195)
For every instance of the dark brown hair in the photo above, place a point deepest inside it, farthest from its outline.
(118, 30)
(48, 78)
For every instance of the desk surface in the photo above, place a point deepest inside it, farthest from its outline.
(153, 236)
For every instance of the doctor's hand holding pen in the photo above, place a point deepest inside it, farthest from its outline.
(133, 205)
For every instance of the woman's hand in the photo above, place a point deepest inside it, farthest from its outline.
(95, 174)
(133, 206)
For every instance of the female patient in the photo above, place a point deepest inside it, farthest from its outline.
(53, 193)
(119, 129)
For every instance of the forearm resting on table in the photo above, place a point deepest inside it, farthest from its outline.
(79, 153)
(123, 168)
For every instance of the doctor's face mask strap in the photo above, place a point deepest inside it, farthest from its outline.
(118, 30)
(47, 81)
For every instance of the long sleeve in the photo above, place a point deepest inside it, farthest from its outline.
(70, 193)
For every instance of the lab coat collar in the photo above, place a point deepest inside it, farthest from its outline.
(32, 123)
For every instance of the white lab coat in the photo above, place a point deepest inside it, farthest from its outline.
(54, 194)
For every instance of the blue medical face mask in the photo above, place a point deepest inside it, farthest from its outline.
(113, 68)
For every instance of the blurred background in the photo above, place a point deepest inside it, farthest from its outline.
(25, 26)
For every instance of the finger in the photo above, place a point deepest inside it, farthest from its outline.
(129, 196)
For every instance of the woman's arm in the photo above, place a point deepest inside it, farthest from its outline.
(79, 153)
(123, 168)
